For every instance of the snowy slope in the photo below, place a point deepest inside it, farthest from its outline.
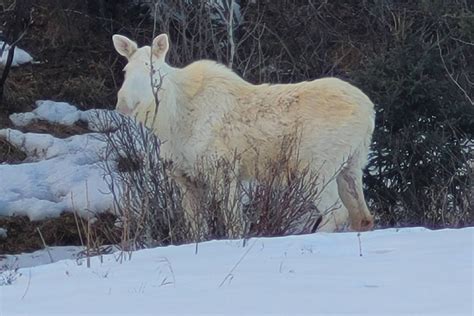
(402, 272)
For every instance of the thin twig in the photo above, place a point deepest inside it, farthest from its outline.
(230, 34)
(449, 73)
(28, 285)
(155, 84)
(88, 232)
(360, 244)
(44, 244)
(237, 263)
(76, 219)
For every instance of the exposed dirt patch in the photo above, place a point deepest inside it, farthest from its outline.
(23, 236)
(5, 120)
(56, 130)
(10, 154)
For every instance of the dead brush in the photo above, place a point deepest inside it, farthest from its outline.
(9, 153)
(281, 200)
(86, 89)
(218, 207)
(285, 198)
(147, 199)
(19, 90)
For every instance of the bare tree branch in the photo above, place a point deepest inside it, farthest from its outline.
(449, 73)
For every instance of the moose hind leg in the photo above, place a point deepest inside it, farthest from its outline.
(349, 182)
(334, 213)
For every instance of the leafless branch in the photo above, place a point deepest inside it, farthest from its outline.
(449, 73)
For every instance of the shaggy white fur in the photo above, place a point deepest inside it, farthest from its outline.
(206, 110)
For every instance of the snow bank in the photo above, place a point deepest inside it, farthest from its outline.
(20, 56)
(60, 113)
(58, 174)
(405, 272)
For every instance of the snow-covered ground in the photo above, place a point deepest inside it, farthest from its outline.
(401, 272)
(58, 174)
(39, 257)
(19, 57)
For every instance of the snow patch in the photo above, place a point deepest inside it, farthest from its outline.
(61, 113)
(58, 174)
(20, 56)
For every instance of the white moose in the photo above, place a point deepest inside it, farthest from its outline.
(206, 110)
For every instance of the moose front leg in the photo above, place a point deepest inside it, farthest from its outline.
(192, 193)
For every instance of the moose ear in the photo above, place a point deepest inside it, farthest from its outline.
(124, 46)
(160, 45)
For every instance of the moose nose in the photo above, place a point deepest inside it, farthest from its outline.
(123, 108)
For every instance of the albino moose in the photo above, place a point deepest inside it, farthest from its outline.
(206, 110)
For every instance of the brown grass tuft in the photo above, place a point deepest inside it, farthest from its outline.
(9, 153)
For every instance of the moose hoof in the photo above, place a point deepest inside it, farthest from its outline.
(363, 224)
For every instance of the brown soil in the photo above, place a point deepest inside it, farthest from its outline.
(74, 60)
(10, 154)
(23, 235)
(56, 130)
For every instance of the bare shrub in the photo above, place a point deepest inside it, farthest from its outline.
(285, 198)
(217, 207)
(9, 153)
(147, 199)
(201, 30)
(148, 202)
(281, 200)
(91, 233)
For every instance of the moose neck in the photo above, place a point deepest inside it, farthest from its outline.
(171, 124)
